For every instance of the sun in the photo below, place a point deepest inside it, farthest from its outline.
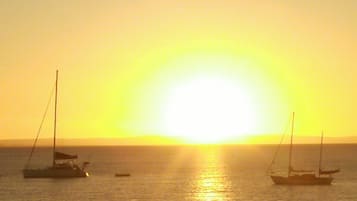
(209, 109)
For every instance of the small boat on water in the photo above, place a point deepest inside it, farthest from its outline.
(122, 175)
(63, 165)
(303, 177)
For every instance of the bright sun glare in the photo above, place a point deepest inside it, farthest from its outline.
(209, 110)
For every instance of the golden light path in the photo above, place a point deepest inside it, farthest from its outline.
(211, 181)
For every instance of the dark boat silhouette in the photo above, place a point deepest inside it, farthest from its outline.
(122, 175)
(304, 177)
(63, 165)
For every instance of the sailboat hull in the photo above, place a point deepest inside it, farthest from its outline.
(54, 173)
(307, 179)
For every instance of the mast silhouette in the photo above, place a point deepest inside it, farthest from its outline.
(320, 162)
(291, 144)
(55, 123)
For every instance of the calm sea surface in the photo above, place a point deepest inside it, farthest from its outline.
(179, 173)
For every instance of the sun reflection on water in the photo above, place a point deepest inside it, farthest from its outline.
(211, 183)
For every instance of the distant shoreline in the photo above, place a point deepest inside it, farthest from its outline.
(171, 141)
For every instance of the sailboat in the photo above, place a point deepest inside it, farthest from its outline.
(63, 165)
(304, 177)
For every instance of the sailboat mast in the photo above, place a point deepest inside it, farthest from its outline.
(320, 162)
(55, 122)
(291, 144)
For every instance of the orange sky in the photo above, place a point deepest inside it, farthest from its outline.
(121, 62)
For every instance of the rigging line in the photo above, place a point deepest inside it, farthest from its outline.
(278, 148)
(39, 129)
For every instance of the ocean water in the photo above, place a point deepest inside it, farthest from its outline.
(179, 173)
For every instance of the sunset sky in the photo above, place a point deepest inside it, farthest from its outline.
(206, 71)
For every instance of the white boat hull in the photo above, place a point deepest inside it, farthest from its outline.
(54, 172)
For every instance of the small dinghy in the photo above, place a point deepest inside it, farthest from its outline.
(122, 175)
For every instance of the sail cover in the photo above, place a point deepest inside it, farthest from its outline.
(63, 156)
(329, 171)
